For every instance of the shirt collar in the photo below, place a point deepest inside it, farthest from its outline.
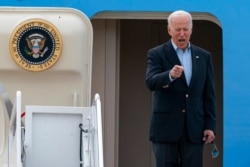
(175, 47)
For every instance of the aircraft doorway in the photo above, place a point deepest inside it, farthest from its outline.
(131, 39)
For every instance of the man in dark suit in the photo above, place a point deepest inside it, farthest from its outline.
(184, 106)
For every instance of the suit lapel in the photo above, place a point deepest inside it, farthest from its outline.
(195, 59)
(172, 57)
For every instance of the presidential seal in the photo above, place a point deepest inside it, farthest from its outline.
(35, 45)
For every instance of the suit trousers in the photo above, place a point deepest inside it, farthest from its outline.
(178, 154)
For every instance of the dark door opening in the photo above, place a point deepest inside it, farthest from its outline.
(136, 37)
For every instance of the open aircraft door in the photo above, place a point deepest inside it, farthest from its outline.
(46, 55)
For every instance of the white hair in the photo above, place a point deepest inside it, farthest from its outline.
(179, 13)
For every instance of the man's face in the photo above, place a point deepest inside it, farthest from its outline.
(180, 30)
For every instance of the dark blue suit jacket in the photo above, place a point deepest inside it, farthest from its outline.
(175, 101)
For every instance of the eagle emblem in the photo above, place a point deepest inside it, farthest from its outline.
(36, 43)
